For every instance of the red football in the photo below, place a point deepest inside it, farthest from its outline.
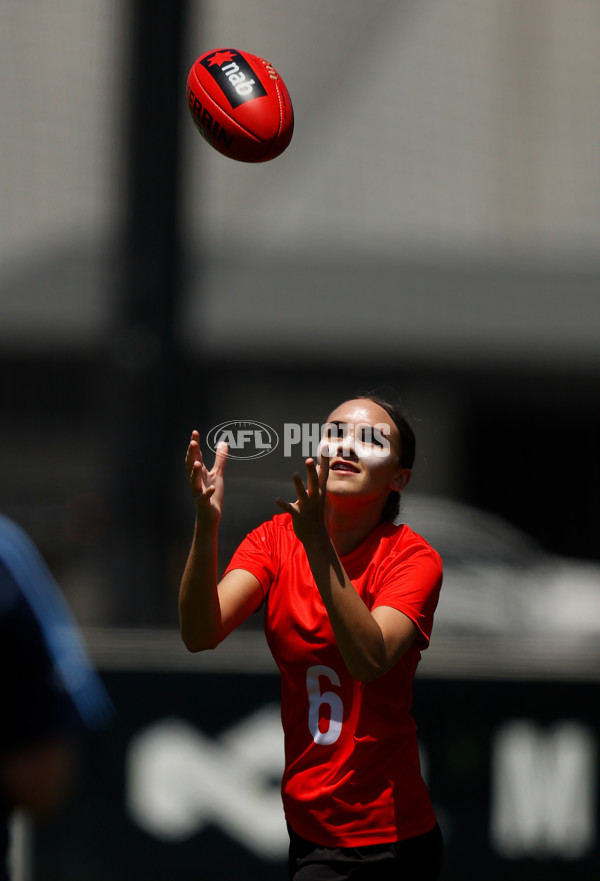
(240, 105)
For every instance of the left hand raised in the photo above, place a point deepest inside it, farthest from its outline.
(308, 511)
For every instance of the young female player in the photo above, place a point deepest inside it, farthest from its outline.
(348, 606)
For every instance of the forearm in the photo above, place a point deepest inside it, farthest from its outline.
(357, 633)
(199, 608)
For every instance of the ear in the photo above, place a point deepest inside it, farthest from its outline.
(401, 479)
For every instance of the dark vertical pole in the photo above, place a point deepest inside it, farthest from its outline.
(143, 375)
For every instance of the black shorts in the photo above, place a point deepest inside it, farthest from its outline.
(415, 859)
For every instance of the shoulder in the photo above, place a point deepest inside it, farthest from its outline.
(20, 564)
(401, 539)
(281, 522)
(272, 540)
(16, 548)
(279, 528)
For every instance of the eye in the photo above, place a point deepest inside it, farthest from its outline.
(332, 430)
(367, 436)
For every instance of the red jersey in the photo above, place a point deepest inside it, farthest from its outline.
(352, 775)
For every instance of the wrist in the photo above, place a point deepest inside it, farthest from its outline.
(317, 541)
(206, 527)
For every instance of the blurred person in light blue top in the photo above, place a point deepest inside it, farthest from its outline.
(49, 690)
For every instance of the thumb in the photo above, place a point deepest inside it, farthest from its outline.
(221, 456)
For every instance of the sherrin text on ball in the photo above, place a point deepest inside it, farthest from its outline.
(240, 105)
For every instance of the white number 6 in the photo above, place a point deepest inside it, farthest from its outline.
(316, 700)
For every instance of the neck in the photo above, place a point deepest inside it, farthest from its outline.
(348, 526)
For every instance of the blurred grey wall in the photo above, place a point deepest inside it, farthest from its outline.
(441, 193)
(453, 132)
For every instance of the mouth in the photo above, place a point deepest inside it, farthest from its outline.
(342, 467)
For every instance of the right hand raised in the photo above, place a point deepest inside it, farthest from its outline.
(207, 486)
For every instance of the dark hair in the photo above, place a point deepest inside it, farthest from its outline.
(391, 509)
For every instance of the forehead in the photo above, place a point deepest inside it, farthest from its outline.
(362, 411)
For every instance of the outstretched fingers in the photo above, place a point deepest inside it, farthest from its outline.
(193, 461)
(221, 456)
(285, 505)
(299, 487)
(312, 477)
(293, 507)
(193, 451)
(307, 511)
(306, 495)
(207, 486)
(323, 473)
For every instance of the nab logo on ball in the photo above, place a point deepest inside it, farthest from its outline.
(240, 105)
(234, 76)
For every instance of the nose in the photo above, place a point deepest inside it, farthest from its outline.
(343, 446)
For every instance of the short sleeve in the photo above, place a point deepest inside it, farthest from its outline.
(258, 554)
(410, 581)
